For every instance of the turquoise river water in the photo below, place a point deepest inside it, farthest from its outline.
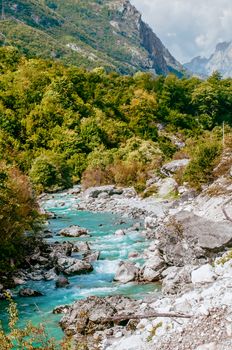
(113, 249)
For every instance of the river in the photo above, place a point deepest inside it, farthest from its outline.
(113, 249)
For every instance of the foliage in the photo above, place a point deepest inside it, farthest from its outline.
(199, 170)
(58, 122)
(19, 213)
(51, 172)
(225, 258)
(154, 331)
(29, 337)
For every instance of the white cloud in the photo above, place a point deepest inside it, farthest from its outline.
(188, 27)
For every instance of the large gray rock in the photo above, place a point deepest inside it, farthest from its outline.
(210, 235)
(127, 272)
(59, 250)
(174, 166)
(62, 282)
(85, 317)
(190, 239)
(50, 275)
(71, 266)
(152, 269)
(73, 231)
(175, 279)
(28, 292)
(81, 247)
(94, 192)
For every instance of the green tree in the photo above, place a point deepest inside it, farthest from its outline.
(19, 213)
(50, 171)
(141, 114)
(199, 170)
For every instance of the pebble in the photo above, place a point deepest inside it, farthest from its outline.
(118, 335)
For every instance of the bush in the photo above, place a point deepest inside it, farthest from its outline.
(77, 164)
(50, 172)
(96, 177)
(147, 153)
(19, 213)
(199, 170)
(29, 337)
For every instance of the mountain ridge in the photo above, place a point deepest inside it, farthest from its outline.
(220, 60)
(88, 33)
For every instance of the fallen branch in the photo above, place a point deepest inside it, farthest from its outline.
(153, 315)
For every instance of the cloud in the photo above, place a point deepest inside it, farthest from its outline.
(188, 28)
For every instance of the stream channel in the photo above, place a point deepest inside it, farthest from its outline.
(113, 249)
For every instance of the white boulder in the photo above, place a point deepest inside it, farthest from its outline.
(153, 268)
(205, 274)
(167, 187)
(127, 272)
(74, 231)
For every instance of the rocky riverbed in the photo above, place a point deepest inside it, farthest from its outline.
(189, 254)
(181, 243)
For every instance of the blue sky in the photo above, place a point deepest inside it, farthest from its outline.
(188, 28)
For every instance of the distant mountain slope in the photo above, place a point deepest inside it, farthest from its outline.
(220, 60)
(90, 33)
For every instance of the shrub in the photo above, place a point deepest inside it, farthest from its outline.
(125, 173)
(77, 164)
(96, 177)
(50, 172)
(19, 213)
(199, 170)
(141, 151)
(29, 337)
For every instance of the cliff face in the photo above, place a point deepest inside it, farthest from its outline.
(156, 56)
(91, 33)
(220, 60)
(160, 58)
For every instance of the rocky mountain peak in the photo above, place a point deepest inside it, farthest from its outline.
(220, 60)
(222, 46)
(130, 21)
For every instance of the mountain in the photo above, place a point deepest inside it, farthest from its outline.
(220, 60)
(90, 33)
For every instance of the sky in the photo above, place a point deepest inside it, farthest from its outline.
(188, 28)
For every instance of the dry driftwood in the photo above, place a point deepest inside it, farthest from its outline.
(152, 315)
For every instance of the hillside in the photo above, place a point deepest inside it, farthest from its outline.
(87, 33)
(220, 60)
